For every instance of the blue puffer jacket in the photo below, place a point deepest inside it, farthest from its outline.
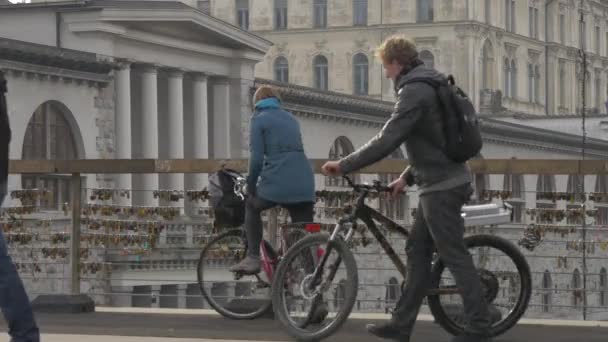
(279, 170)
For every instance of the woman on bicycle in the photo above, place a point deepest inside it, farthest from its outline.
(279, 172)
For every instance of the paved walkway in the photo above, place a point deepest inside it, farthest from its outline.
(162, 325)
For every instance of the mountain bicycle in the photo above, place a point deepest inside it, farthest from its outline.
(252, 297)
(297, 292)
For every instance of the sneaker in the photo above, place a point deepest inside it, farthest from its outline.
(388, 331)
(249, 266)
(468, 337)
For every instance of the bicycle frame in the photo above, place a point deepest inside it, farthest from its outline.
(367, 214)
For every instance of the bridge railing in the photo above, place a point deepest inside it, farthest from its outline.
(70, 231)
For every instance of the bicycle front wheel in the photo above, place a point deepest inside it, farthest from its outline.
(245, 298)
(312, 308)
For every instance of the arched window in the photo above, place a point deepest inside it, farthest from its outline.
(427, 57)
(507, 77)
(515, 184)
(320, 66)
(545, 186)
(603, 287)
(339, 294)
(393, 208)
(49, 137)
(487, 66)
(281, 69)
(360, 74)
(601, 187)
(339, 149)
(546, 288)
(513, 77)
(577, 291)
(393, 292)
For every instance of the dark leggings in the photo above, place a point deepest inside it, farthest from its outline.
(299, 212)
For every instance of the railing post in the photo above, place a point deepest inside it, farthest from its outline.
(76, 183)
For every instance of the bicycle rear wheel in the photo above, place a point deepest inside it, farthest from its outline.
(298, 299)
(506, 283)
(246, 298)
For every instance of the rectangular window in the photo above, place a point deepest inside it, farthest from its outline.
(513, 15)
(533, 22)
(536, 35)
(508, 15)
(320, 13)
(425, 10)
(360, 12)
(562, 83)
(582, 34)
(488, 11)
(597, 40)
(203, 6)
(562, 28)
(242, 14)
(280, 14)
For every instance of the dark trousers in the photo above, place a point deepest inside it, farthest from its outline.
(299, 212)
(439, 224)
(13, 299)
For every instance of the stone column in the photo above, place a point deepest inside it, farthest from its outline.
(200, 129)
(181, 295)
(122, 128)
(176, 128)
(221, 119)
(149, 132)
(155, 294)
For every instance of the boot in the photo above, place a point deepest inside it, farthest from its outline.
(388, 331)
(248, 266)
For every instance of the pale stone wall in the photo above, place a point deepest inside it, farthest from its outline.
(456, 39)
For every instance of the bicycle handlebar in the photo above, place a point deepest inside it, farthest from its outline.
(376, 187)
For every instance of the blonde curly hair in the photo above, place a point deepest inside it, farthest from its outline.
(398, 48)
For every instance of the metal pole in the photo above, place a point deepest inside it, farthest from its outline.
(583, 151)
(76, 184)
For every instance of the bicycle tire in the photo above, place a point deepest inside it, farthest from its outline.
(351, 288)
(454, 328)
(216, 306)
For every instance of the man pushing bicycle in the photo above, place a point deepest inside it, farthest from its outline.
(419, 121)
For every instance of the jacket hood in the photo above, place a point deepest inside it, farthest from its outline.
(419, 71)
(267, 103)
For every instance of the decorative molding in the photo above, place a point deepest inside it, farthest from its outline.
(52, 73)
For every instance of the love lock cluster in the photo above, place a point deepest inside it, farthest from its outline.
(169, 195)
(562, 196)
(57, 238)
(30, 196)
(167, 213)
(488, 195)
(598, 197)
(197, 195)
(546, 214)
(225, 252)
(92, 267)
(20, 238)
(20, 211)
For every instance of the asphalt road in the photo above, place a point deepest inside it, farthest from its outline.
(215, 327)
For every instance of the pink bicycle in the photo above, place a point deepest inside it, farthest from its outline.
(239, 296)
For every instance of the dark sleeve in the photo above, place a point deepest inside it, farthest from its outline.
(397, 129)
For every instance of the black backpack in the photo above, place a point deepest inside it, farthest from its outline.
(228, 208)
(461, 124)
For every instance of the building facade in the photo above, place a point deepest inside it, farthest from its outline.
(525, 53)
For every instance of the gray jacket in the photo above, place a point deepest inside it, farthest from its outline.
(415, 121)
